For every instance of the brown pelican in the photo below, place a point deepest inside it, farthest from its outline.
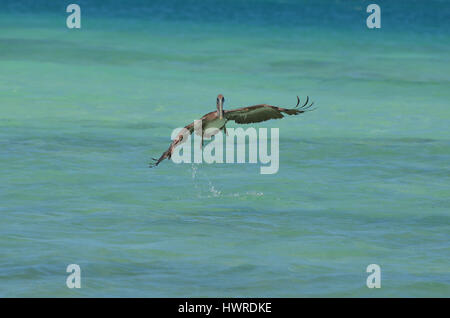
(216, 120)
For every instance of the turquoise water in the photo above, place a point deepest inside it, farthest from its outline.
(363, 179)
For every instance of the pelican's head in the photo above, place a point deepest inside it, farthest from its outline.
(220, 101)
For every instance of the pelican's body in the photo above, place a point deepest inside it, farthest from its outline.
(213, 122)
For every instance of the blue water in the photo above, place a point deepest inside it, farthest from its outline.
(363, 179)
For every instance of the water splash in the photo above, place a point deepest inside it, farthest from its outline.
(197, 177)
(215, 193)
(194, 171)
(210, 190)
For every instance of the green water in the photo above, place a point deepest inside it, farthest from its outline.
(363, 179)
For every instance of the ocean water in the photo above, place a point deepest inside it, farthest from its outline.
(364, 179)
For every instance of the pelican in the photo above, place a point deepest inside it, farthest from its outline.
(216, 121)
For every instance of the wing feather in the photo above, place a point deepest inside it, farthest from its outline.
(263, 112)
(253, 114)
(182, 137)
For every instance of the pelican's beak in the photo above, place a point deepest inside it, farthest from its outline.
(220, 108)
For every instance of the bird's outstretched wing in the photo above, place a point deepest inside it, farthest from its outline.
(263, 112)
(182, 137)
